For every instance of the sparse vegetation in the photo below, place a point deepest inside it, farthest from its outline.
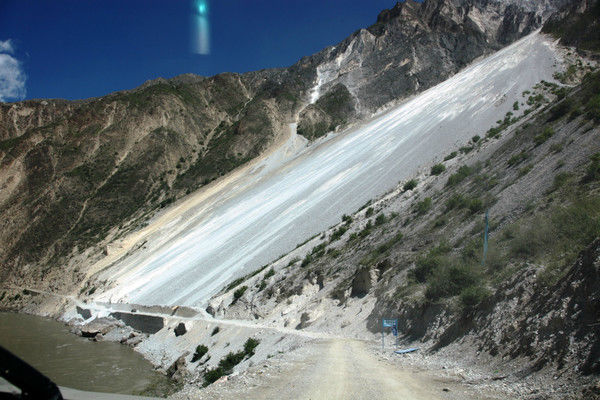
(227, 363)
(451, 156)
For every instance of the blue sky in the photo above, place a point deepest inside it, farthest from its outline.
(83, 48)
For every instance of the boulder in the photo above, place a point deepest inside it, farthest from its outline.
(180, 329)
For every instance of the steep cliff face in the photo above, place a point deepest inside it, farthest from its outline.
(410, 48)
(73, 172)
(577, 25)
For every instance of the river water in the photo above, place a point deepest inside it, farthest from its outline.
(76, 362)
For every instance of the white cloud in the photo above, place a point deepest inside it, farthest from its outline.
(12, 77)
(6, 46)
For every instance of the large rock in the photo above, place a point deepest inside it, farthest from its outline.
(99, 326)
(180, 329)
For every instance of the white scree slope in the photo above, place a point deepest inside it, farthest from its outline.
(289, 197)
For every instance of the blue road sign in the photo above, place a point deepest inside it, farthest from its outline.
(390, 323)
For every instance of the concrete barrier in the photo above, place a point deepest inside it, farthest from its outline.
(144, 323)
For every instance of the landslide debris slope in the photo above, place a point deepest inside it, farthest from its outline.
(76, 174)
(527, 317)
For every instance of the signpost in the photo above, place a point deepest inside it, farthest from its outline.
(388, 323)
(485, 237)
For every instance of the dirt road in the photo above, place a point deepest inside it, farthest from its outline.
(340, 369)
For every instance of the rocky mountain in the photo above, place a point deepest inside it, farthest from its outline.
(75, 172)
(527, 313)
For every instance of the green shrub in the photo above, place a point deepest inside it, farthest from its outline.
(437, 169)
(346, 219)
(561, 109)
(410, 185)
(556, 148)
(307, 260)
(338, 233)
(423, 206)
(334, 253)
(215, 331)
(476, 138)
(213, 375)
(546, 134)
(516, 106)
(250, 345)
(518, 158)
(462, 173)
(451, 156)
(381, 249)
(593, 170)
(450, 281)
(201, 350)
(380, 219)
(239, 293)
(269, 274)
(319, 250)
(369, 212)
(456, 201)
(366, 230)
(560, 180)
(231, 360)
(525, 170)
(234, 283)
(593, 108)
(475, 205)
(472, 296)
(425, 265)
